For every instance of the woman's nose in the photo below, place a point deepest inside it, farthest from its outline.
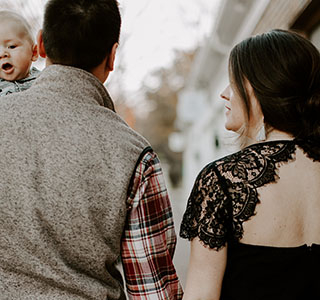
(225, 94)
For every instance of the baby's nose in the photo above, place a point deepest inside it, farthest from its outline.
(3, 53)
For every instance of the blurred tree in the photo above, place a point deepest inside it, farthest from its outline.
(116, 88)
(32, 10)
(161, 89)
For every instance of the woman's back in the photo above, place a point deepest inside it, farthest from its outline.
(289, 211)
(264, 202)
(279, 252)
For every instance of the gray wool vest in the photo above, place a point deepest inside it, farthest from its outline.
(66, 159)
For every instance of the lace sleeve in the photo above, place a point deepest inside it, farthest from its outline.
(206, 216)
(225, 193)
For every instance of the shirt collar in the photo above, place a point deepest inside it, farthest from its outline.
(79, 84)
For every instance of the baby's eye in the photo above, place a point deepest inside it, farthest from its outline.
(12, 46)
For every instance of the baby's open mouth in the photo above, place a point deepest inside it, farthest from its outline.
(6, 67)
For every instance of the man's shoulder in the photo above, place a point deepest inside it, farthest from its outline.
(34, 73)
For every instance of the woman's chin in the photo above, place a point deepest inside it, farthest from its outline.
(230, 127)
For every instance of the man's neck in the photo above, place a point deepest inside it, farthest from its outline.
(100, 71)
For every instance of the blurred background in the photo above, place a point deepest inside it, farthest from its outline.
(170, 69)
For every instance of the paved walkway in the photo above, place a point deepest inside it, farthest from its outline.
(181, 258)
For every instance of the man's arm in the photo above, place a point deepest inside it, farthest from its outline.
(149, 238)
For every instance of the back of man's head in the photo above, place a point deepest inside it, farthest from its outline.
(80, 33)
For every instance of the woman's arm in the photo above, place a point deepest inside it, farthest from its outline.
(205, 272)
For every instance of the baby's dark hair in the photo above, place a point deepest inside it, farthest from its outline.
(283, 69)
(80, 33)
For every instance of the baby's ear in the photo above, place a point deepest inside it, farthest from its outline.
(35, 53)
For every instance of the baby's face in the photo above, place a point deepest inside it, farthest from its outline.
(16, 52)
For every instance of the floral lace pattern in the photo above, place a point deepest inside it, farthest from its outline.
(225, 192)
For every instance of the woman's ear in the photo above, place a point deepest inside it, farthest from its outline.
(41, 49)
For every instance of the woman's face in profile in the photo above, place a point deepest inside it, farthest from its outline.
(235, 113)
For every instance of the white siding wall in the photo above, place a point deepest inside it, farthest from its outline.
(205, 137)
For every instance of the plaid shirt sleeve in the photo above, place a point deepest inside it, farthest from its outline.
(149, 238)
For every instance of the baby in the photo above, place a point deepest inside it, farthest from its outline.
(17, 52)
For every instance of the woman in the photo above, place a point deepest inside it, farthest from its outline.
(254, 216)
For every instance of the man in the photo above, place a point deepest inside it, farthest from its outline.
(79, 189)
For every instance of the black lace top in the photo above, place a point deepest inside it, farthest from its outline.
(225, 192)
(224, 196)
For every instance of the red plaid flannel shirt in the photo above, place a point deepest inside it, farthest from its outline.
(149, 239)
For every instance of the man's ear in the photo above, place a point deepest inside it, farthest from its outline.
(111, 58)
(41, 50)
(35, 53)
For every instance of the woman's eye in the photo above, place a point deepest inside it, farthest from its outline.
(12, 46)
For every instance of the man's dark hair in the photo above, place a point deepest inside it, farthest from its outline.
(80, 33)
